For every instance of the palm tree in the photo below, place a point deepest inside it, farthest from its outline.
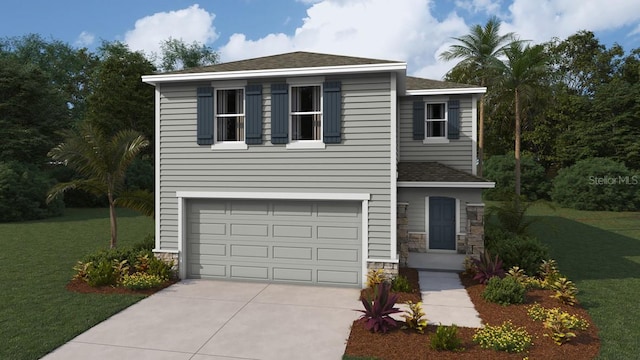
(102, 161)
(523, 71)
(479, 50)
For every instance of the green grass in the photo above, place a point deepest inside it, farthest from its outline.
(600, 252)
(37, 313)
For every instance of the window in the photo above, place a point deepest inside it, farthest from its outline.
(229, 115)
(306, 113)
(436, 120)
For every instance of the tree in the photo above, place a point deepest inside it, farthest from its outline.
(522, 72)
(479, 51)
(31, 113)
(177, 55)
(103, 161)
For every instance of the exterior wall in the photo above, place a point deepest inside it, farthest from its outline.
(456, 153)
(360, 164)
(415, 197)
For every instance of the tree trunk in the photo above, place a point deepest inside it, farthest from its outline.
(481, 136)
(114, 222)
(517, 150)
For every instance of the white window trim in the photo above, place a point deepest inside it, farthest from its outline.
(305, 144)
(439, 139)
(229, 145)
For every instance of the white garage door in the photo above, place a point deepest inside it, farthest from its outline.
(311, 242)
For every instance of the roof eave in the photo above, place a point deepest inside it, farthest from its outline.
(444, 91)
(448, 184)
(249, 74)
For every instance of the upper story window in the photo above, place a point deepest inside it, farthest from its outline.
(229, 117)
(436, 120)
(306, 113)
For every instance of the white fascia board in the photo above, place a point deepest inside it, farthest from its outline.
(290, 72)
(272, 195)
(455, 91)
(442, 184)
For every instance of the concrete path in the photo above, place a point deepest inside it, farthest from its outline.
(220, 320)
(445, 300)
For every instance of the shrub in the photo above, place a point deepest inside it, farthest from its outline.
(146, 262)
(121, 253)
(511, 214)
(401, 284)
(596, 184)
(469, 266)
(23, 193)
(565, 291)
(523, 251)
(375, 277)
(559, 324)
(487, 267)
(377, 312)
(147, 243)
(140, 281)
(505, 337)
(101, 273)
(446, 339)
(504, 291)
(414, 318)
(120, 269)
(549, 273)
(501, 169)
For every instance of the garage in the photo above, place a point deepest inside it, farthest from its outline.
(292, 241)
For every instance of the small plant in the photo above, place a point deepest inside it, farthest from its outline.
(377, 312)
(414, 318)
(518, 274)
(469, 266)
(401, 284)
(140, 281)
(488, 267)
(549, 273)
(375, 277)
(446, 339)
(120, 269)
(81, 269)
(505, 337)
(504, 291)
(101, 274)
(565, 291)
(142, 263)
(559, 324)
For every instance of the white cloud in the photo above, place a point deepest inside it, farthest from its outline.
(491, 7)
(404, 31)
(541, 21)
(190, 24)
(85, 39)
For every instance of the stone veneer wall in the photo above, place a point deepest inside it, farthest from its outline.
(168, 257)
(475, 229)
(390, 269)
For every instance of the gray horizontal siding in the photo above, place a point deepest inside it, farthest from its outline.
(361, 163)
(456, 153)
(415, 197)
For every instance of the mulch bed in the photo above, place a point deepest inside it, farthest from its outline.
(80, 286)
(407, 345)
(413, 296)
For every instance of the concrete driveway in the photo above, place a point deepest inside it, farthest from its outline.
(223, 320)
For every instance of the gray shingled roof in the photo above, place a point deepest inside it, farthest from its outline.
(416, 83)
(433, 172)
(298, 59)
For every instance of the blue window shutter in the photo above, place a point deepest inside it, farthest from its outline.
(205, 115)
(331, 112)
(418, 120)
(453, 121)
(253, 114)
(279, 113)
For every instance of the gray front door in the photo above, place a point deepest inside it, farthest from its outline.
(306, 242)
(442, 223)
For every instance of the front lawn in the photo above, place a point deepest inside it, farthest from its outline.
(600, 252)
(37, 313)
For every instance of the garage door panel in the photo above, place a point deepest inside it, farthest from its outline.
(293, 231)
(249, 251)
(296, 253)
(283, 241)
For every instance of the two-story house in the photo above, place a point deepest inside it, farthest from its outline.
(312, 168)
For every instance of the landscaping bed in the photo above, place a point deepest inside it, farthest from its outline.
(406, 344)
(80, 286)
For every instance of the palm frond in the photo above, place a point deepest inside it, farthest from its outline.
(139, 200)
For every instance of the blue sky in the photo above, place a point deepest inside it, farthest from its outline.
(415, 31)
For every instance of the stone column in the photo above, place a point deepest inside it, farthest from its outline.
(475, 229)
